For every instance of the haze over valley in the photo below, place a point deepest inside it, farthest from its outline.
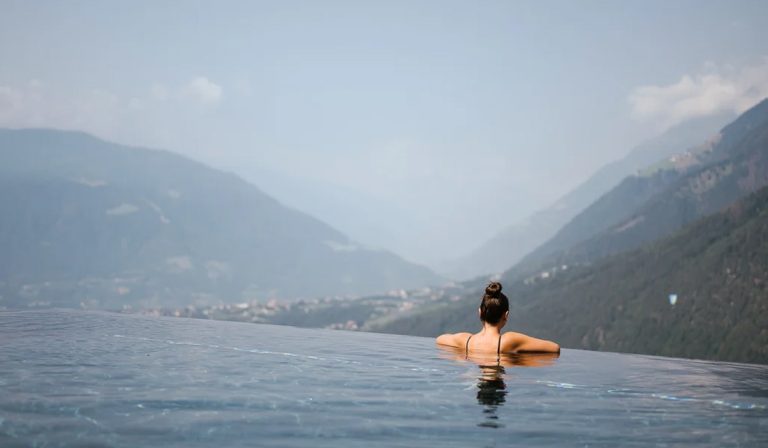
(673, 260)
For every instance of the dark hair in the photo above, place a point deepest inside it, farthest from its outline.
(494, 304)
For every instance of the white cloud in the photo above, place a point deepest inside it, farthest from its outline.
(717, 89)
(132, 118)
(34, 104)
(201, 89)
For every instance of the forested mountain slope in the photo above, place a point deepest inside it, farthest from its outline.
(662, 199)
(518, 239)
(717, 268)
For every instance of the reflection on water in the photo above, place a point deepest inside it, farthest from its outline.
(491, 388)
(491, 393)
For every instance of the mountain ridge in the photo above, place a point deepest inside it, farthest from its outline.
(712, 176)
(518, 239)
(160, 228)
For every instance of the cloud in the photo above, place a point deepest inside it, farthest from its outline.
(201, 89)
(34, 104)
(717, 89)
(121, 117)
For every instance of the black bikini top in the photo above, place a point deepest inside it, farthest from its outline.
(466, 347)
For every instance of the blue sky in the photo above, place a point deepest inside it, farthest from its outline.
(458, 118)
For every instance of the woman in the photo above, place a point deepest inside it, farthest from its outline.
(494, 312)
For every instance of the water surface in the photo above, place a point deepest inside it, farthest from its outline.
(76, 378)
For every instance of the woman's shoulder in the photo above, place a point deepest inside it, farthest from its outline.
(511, 336)
(514, 342)
(453, 339)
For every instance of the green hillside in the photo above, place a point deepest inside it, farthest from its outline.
(717, 267)
(644, 208)
(521, 238)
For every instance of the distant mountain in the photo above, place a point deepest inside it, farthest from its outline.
(517, 240)
(91, 223)
(663, 198)
(363, 217)
(701, 293)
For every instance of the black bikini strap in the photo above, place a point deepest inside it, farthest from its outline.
(466, 347)
(498, 348)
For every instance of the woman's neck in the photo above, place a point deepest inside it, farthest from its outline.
(493, 330)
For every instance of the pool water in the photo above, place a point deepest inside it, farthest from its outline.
(81, 378)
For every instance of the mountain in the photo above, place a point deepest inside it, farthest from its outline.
(691, 226)
(663, 198)
(363, 217)
(519, 239)
(713, 261)
(90, 223)
(716, 268)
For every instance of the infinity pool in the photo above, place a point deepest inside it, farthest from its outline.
(76, 378)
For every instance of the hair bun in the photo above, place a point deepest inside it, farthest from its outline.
(493, 289)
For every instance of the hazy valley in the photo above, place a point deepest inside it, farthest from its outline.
(97, 225)
(690, 225)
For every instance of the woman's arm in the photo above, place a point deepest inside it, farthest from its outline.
(525, 343)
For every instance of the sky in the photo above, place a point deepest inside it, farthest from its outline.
(446, 120)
